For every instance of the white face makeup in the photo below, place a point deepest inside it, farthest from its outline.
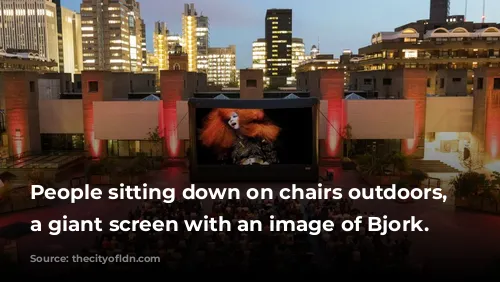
(234, 121)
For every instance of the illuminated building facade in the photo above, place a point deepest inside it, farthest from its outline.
(278, 33)
(444, 42)
(203, 41)
(174, 40)
(160, 43)
(298, 56)
(189, 25)
(222, 66)
(259, 57)
(112, 35)
(29, 26)
(70, 42)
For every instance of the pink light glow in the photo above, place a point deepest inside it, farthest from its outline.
(335, 115)
(172, 141)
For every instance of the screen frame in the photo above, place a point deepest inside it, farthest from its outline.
(278, 172)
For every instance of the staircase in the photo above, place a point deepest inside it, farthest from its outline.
(433, 166)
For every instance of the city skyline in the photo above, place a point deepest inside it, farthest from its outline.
(245, 23)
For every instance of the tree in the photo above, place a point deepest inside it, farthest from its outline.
(472, 162)
(400, 162)
(156, 138)
(347, 137)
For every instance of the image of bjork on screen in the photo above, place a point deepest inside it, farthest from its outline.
(254, 136)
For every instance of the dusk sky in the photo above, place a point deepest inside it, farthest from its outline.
(339, 24)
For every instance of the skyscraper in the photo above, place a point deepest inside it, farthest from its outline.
(189, 25)
(174, 40)
(298, 56)
(278, 46)
(112, 35)
(202, 38)
(440, 9)
(222, 65)
(160, 35)
(70, 43)
(29, 26)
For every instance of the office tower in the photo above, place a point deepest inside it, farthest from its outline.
(222, 65)
(29, 26)
(259, 57)
(259, 54)
(112, 35)
(70, 42)
(440, 9)
(298, 56)
(189, 35)
(160, 43)
(202, 38)
(173, 41)
(278, 46)
(143, 44)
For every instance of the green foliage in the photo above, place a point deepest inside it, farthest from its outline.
(372, 165)
(399, 162)
(36, 177)
(418, 176)
(104, 166)
(137, 166)
(469, 183)
(156, 137)
(347, 137)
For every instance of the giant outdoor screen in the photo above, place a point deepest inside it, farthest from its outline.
(258, 137)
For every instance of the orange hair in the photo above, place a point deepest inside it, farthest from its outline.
(217, 133)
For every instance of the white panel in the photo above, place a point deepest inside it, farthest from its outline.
(125, 120)
(323, 123)
(61, 116)
(381, 119)
(182, 120)
(449, 114)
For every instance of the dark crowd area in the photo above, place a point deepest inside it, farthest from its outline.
(254, 253)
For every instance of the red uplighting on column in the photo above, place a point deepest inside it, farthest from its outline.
(334, 128)
(171, 138)
(416, 84)
(16, 125)
(492, 124)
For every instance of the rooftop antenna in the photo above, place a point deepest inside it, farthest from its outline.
(484, 11)
(465, 14)
(318, 46)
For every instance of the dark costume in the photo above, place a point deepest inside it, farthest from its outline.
(248, 151)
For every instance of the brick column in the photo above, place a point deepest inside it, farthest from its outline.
(96, 86)
(331, 88)
(172, 88)
(415, 88)
(486, 125)
(251, 84)
(20, 90)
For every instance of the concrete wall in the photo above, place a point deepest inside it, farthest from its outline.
(386, 83)
(449, 114)
(49, 89)
(381, 119)
(61, 116)
(125, 120)
(451, 83)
